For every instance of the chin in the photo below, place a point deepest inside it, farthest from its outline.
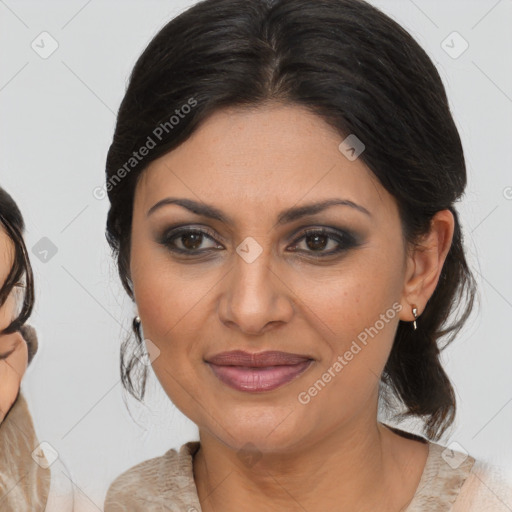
(262, 430)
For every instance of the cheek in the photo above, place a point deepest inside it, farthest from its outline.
(172, 316)
(350, 297)
(152, 289)
(172, 302)
(165, 299)
(7, 311)
(12, 370)
(354, 311)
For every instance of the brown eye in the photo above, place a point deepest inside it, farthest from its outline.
(317, 241)
(188, 241)
(192, 240)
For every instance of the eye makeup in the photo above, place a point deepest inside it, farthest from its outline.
(190, 238)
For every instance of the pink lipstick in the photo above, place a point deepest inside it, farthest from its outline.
(263, 371)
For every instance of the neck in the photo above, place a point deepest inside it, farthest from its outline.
(355, 467)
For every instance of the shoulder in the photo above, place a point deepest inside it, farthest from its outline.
(487, 487)
(19, 448)
(147, 485)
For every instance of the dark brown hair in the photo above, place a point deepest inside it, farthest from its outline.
(362, 73)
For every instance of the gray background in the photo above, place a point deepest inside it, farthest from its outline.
(56, 119)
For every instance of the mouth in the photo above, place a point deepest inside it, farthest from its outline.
(257, 372)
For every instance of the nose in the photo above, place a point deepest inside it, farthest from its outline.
(255, 298)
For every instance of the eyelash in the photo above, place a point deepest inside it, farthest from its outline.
(343, 238)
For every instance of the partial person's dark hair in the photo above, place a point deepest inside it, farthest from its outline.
(363, 74)
(20, 275)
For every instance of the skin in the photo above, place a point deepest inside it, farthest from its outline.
(13, 348)
(332, 453)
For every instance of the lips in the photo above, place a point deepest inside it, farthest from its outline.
(255, 372)
(257, 360)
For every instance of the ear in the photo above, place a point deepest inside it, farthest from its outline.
(425, 263)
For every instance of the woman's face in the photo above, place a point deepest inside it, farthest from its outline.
(13, 348)
(254, 282)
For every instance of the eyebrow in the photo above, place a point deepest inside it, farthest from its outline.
(285, 217)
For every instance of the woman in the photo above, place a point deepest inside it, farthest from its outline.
(24, 470)
(282, 181)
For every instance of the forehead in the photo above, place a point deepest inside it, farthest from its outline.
(268, 156)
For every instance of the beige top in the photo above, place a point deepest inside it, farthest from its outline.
(451, 481)
(24, 484)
